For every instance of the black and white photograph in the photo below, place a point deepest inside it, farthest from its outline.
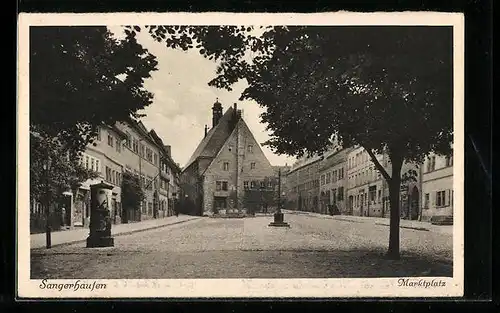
(226, 155)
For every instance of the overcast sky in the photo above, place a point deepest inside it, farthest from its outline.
(183, 100)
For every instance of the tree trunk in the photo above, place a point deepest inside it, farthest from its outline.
(394, 189)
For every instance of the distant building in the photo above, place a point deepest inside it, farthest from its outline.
(333, 182)
(437, 189)
(303, 184)
(227, 162)
(168, 179)
(364, 184)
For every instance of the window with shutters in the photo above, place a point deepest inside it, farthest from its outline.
(440, 198)
(245, 185)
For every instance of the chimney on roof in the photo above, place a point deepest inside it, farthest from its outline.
(216, 112)
(169, 150)
(206, 130)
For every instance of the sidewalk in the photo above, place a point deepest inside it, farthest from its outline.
(384, 221)
(80, 234)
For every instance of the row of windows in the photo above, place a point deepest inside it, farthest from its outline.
(137, 147)
(223, 185)
(360, 158)
(364, 177)
(441, 198)
(133, 144)
(225, 166)
(249, 148)
(334, 176)
(338, 194)
(364, 199)
(90, 163)
(431, 163)
(306, 186)
(147, 207)
(113, 176)
(253, 185)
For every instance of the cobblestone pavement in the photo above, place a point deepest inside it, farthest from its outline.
(233, 248)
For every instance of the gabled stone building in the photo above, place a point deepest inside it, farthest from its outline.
(227, 162)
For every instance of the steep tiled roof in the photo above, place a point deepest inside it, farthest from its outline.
(215, 138)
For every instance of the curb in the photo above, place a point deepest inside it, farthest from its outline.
(115, 235)
(407, 227)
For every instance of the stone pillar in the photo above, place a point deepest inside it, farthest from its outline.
(100, 216)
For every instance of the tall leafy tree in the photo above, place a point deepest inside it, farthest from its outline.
(53, 168)
(387, 89)
(80, 78)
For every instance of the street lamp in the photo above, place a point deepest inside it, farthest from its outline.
(278, 216)
(46, 168)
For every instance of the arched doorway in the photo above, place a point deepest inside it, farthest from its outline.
(414, 203)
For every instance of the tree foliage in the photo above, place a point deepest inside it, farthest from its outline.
(387, 89)
(131, 191)
(53, 169)
(81, 77)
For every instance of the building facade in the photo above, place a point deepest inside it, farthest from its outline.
(333, 183)
(364, 184)
(105, 157)
(128, 147)
(437, 189)
(227, 163)
(303, 184)
(168, 178)
(142, 158)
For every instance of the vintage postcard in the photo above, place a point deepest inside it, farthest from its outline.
(222, 155)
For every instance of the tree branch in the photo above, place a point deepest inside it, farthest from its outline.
(377, 164)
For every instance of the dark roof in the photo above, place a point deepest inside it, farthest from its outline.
(215, 138)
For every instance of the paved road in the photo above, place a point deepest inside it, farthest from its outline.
(237, 248)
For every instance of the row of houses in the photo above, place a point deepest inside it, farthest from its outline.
(345, 179)
(125, 147)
